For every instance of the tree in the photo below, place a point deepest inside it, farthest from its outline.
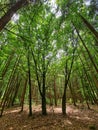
(8, 15)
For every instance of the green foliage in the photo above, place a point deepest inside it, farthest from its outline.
(51, 39)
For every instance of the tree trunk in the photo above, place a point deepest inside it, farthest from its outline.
(23, 94)
(55, 95)
(16, 91)
(12, 86)
(10, 79)
(72, 94)
(44, 112)
(7, 64)
(7, 17)
(90, 27)
(85, 94)
(89, 54)
(4, 71)
(64, 101)
(43, 90)
(67, 78)
(30, 93)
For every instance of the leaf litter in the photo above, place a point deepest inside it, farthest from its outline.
(78, 118)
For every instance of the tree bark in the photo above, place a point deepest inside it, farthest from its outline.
(67, 78)
(30, 91)
(23, 94)
(90, 27)
(44, 112)
(7, 17)
(55, 94)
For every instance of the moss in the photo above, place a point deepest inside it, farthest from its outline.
(92, 127)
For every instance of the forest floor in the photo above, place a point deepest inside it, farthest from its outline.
(77, 119)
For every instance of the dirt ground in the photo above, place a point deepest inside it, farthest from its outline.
(77, 119)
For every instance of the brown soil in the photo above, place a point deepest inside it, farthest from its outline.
(76, 119)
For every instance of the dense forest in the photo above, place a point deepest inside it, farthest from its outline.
(48, 55)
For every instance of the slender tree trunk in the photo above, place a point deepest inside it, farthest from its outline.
(43, 90)
(91, 89)
(16, 91)
(55, 95)
(7, 64)
(85, 94)
(6, 96)
(73, 94)
(30, 93)
(89, 54)
(64, 99)
(44, 112)
(8, 88)
(36, 72)
(90, 27)
(67, 78)
(83, 87)
(12, 86)
(10, 79)
(23, 94)
(4, 71)
(65, 88)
